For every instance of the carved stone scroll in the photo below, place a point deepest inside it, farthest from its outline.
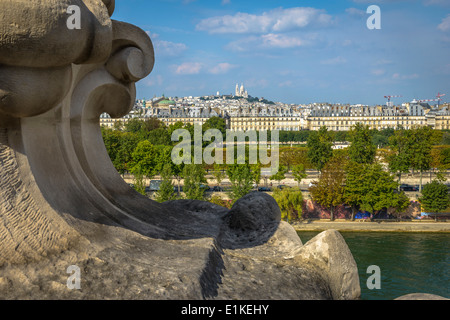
(62, 202)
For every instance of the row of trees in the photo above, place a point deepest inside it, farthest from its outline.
(363, 176)
(366, 181)
(144, 149)
(413, 149)
(379, 138)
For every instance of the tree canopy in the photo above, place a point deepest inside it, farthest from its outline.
(320, 149)
(435, 197)
(290, 201)
(361, 149)
(328, 191)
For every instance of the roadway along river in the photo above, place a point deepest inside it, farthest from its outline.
(409, 262)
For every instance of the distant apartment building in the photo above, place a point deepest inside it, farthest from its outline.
(242, 116)
(342, 118)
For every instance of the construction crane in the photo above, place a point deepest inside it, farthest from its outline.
(389, 99)
(426, 100)
(439, 98)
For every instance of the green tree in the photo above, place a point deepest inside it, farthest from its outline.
(379, 190)
(328, 191)
(152, 123)
(435, 197)
(163, 155)
(241, 178)
(354, 185)
(380, 138)
(290, 202)
(368, 187)
(177, 125)
(399, 159)
(280, 175)
(118, 125)
(291, 156)
(190, 128)
(127, 144)
(218, 173)
(320, 145)
(423, 139)
(361, 148)
(133, 125)
(299, 173)
(215, 123)
(159, 136)
(138, 182)
(194, 177)
(144, 159)
(165, 192)
(111, 139)
(256, 170)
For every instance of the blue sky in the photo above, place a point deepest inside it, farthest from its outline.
(295, 51)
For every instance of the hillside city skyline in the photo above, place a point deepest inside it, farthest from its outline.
(440, 98)
(295, 53)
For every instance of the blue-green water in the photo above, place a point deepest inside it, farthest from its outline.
(409, 262)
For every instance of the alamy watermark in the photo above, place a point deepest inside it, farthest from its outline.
(74, 21)
(374, 280)
(256, 143)
(374, 21)
(74, 280)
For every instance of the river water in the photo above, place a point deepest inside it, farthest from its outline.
(408, 262)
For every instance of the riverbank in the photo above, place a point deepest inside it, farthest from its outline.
(375, 226)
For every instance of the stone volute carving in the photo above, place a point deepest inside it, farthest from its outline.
(63, 203)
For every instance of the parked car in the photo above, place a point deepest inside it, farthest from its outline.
(217, 189)
(154, 185)
(264, 189)
(282, 186)
(407, 187)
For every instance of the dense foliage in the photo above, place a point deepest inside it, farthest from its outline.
(366, 175)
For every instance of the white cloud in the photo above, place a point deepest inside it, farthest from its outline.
(355, 12)
(166, 48)
(398, 76)
(335, 61)
(222, 68)
(280, 41)
(269, 41)
(170, 48)
(188, 68)
(277, 20)
(445, 25)
(224, 2)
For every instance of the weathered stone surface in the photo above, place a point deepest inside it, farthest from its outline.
(253, 211)
(34, 33)
(330, 256)
(62, 203)
(421, 296)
